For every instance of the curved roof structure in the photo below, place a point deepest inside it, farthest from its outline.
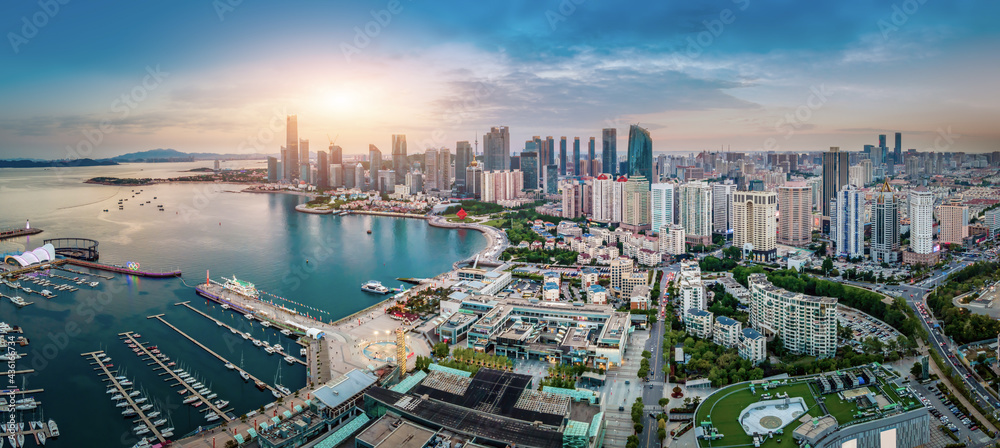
(42, 254)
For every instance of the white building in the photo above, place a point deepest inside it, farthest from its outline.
(992, 222)
(618, 199)
(698, 323)
(753, 346)
(672, 240)
(727, 332)
(921, 220)
(754, 224)
(604, 199)
(662, 205)
(550, 292)
(691, 290)
(502, 185)
(597, 294)
(806, 324)
(722, 206)
(695, 200)
(847, 222)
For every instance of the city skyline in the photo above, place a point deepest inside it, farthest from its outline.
(698, 77)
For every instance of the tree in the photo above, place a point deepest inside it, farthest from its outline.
(441, 350)
(917, 370)
(664, 401)
(827, 265)
(422, 363)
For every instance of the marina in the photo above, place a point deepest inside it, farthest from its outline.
(225, 361)
(175, 376)
(121, 386)
(233, 330)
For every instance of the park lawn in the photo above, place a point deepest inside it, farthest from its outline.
(840, 409)
(725, 406)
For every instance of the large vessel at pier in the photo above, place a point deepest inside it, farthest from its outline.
(375, 287)
(241, 287)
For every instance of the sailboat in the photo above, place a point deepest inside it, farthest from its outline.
(278, 386)
(243, 373)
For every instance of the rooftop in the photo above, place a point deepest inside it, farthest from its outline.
(342, 388)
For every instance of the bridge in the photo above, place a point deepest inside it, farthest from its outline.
(77, 248)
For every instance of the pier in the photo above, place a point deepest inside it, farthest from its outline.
(63, 268)
(14, 233)
(122, 270)
(224, 325)
(124, 392)
(162, 365)
(159, 317)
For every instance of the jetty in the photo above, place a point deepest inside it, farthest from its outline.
(230, 328)
(128, 336)
(160, 318)
(14, 233)
(122, 270)
(96, 356)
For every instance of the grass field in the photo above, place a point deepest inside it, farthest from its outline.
(725, 406)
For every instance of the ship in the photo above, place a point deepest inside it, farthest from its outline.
(241, 287)
(374, 287)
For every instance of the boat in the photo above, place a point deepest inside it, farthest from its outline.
(369, 231)
(286, 332)
(374, 287)
(230, 366)
(39, 435)
(93, 284)
(218, 323)
(159, 422)
(225, 306)
(178, 370)
(121, 404)
(191, 399)
(211, 417)
(153, 414)
(12, 356)
(134, 393)
(140, 400)
(146, 407)
(248, 316)
(290, 360)
(112, 390)
(128, 412)
(196, 385)
(28, 290)
(142, 443)
(260, 384)
(302, 351)
(265, 324)
(269, 350)
(17, 300)
(244, 375)
(233, 330)
(189, 380)
(203, 390)
(221, 403)
(117, 397)
(211, 396)
(142, 431)
(246, 336)
(241, 287)
(198, 404)
(257, 343)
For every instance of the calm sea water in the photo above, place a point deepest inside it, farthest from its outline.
(205, 228)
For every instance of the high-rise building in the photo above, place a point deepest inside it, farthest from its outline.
(414, 182)
(754, 227)
(836, 173)
(861, 174)
(636, 207)
(431, 169)
(496, 149)
(350, 179)
(806, 324)
(359, 176)
(572, 192)
(336, 176)
(551, 178)
(291, 161)
(672, 240)
(592, 157)
(662, 206)
(897, 150)
(603, 200)
(912, 167)
(463, 157)
(473, 179)
(722, 206)
(304, 160)
(529, 165)
(795, 212)
(502, 185)
(336, 156)
(609, 151)
(562, 156)
(576, 156)
(550, 149)
(640, 152)
(272, 170)
(921, 220)
(375, 164)
(690, 288)
(322, 170)
(444, 169)
(885, 225)
(695, 199)
(618, 199)
(992, 222)
(954, 223)
(847, 223)
(399, 158)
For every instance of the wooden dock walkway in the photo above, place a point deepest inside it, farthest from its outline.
(159, 317)
(124, 392)
(208, 403)
(106, 277)
(224, 325)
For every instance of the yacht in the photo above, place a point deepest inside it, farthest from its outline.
(53, 428)
(17, 300)
(117, 397)
(128, 412)
(244, 375)
(121, 404)
(211, 396)
(211, 416)
(230, 366)
(159, 422)
(190, 399)
(153, 414)
(290, 360)
(374, 287)
(286, 332)
(146, 407)
(221, 404)
(269, 350)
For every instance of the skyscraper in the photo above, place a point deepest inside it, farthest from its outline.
(272, 170)
(609, 151)
(399, 158)
(695, 200)
(551, 178)
(550, 149)
(322, 170)
(795, 210)
(954, 223)
(473, 179)
(562, 156)
(431, 169)
(576, 156)
(291, 161)
(603, 200)
(921, 220)
(375, 160)
(572, 192)
(897, 151)
(496, 149)
(350, 181)
(847, 223)
(885, 225)
(444, 169)
(754, 224)
(529, 165)
(836, 172)
(640, 153)
(636, 210)
(591, 156)
(463, 157)
(662, 206)
(304, 161)
(722, 206)
(336, 156)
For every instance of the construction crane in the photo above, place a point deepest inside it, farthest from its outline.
(333, 141)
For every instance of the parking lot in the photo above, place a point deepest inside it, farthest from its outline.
(864, 326)
(942, 414)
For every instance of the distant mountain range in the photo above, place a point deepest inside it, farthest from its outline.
(173, 155)
(29, 163)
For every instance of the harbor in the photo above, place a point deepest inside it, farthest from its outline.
(122, 388)
(287, 356)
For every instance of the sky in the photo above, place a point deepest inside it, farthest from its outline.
(99, 78)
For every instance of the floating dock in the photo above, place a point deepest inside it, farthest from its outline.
(128, 336)
(96, 356)
(224, 325)
(159, 317)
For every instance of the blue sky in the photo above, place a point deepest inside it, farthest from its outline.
(749, 74)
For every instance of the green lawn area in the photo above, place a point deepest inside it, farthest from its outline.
(725, 406)
(841, 410)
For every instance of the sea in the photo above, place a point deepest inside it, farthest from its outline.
(312, 263)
